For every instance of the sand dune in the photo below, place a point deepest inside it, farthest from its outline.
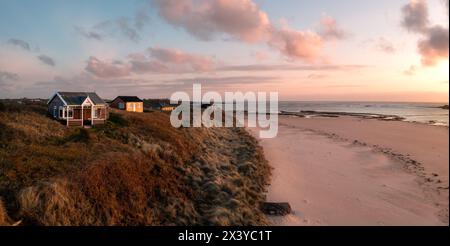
(352, 171)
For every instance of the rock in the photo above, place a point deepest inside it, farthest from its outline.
(276, 208)
(444, 107)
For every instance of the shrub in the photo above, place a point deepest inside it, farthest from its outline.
(79, 135)
(117, 119)
(55, 203)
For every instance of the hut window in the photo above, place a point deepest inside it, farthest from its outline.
(61, 114)
(98, 113)
(70, 113)
(121, 106)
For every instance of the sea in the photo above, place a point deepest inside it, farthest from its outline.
(428, 113)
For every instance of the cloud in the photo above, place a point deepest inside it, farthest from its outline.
(243, 20)
(433, 45)
(7, 76)
(5, 80)
(143, 87)
(153, 60)
(47, 60)
(385, 45)
(158, 60)
(415, 16)
(127, 30)
(127, 27)
(163, 60)
(22, 44)
(145, 66)
(410, 71)
(174, 56)
(317, 76)
(259, 55)
(287, 67)
(141, 18)
(104, 69)
(329, 29)
(297, 44)
(226, 80)
(89, 34)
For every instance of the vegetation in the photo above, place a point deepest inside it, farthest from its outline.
(134, 170)
(3, 215)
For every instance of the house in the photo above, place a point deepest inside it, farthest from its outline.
(78, 108)
(161, 105)
(128, 103)
(168, 107)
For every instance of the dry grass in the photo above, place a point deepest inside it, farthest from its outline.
(134, 170)
(4, 220)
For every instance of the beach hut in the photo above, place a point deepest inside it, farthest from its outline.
(161, 105)
(78, 108)
(128, 103)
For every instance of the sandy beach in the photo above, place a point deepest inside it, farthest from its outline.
(354, 171)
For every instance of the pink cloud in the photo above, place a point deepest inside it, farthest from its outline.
(297, 44)
(415, 16)
(385, 45)
(259, 55)
(434, 47)
(144, 66)
(242, 19)
(174, 56)
(434, 43)
(245, 21)
(104, 69)
(153, 60)
(329, 29)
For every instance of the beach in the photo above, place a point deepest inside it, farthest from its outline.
(357, 171)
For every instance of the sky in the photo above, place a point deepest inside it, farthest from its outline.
(327, 50)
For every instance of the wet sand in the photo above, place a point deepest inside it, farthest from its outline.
(354, 171)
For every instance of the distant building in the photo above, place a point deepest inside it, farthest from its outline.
(128, 103)
(161, 105)
(78, 108)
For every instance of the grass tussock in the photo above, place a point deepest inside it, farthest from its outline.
(134, 170)
(4, 220)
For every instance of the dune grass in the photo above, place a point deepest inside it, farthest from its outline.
(134, 170)
(4, 220)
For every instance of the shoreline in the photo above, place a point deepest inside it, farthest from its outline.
(375, 172)
(385, 117)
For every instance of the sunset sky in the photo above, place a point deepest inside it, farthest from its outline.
(352, 50)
